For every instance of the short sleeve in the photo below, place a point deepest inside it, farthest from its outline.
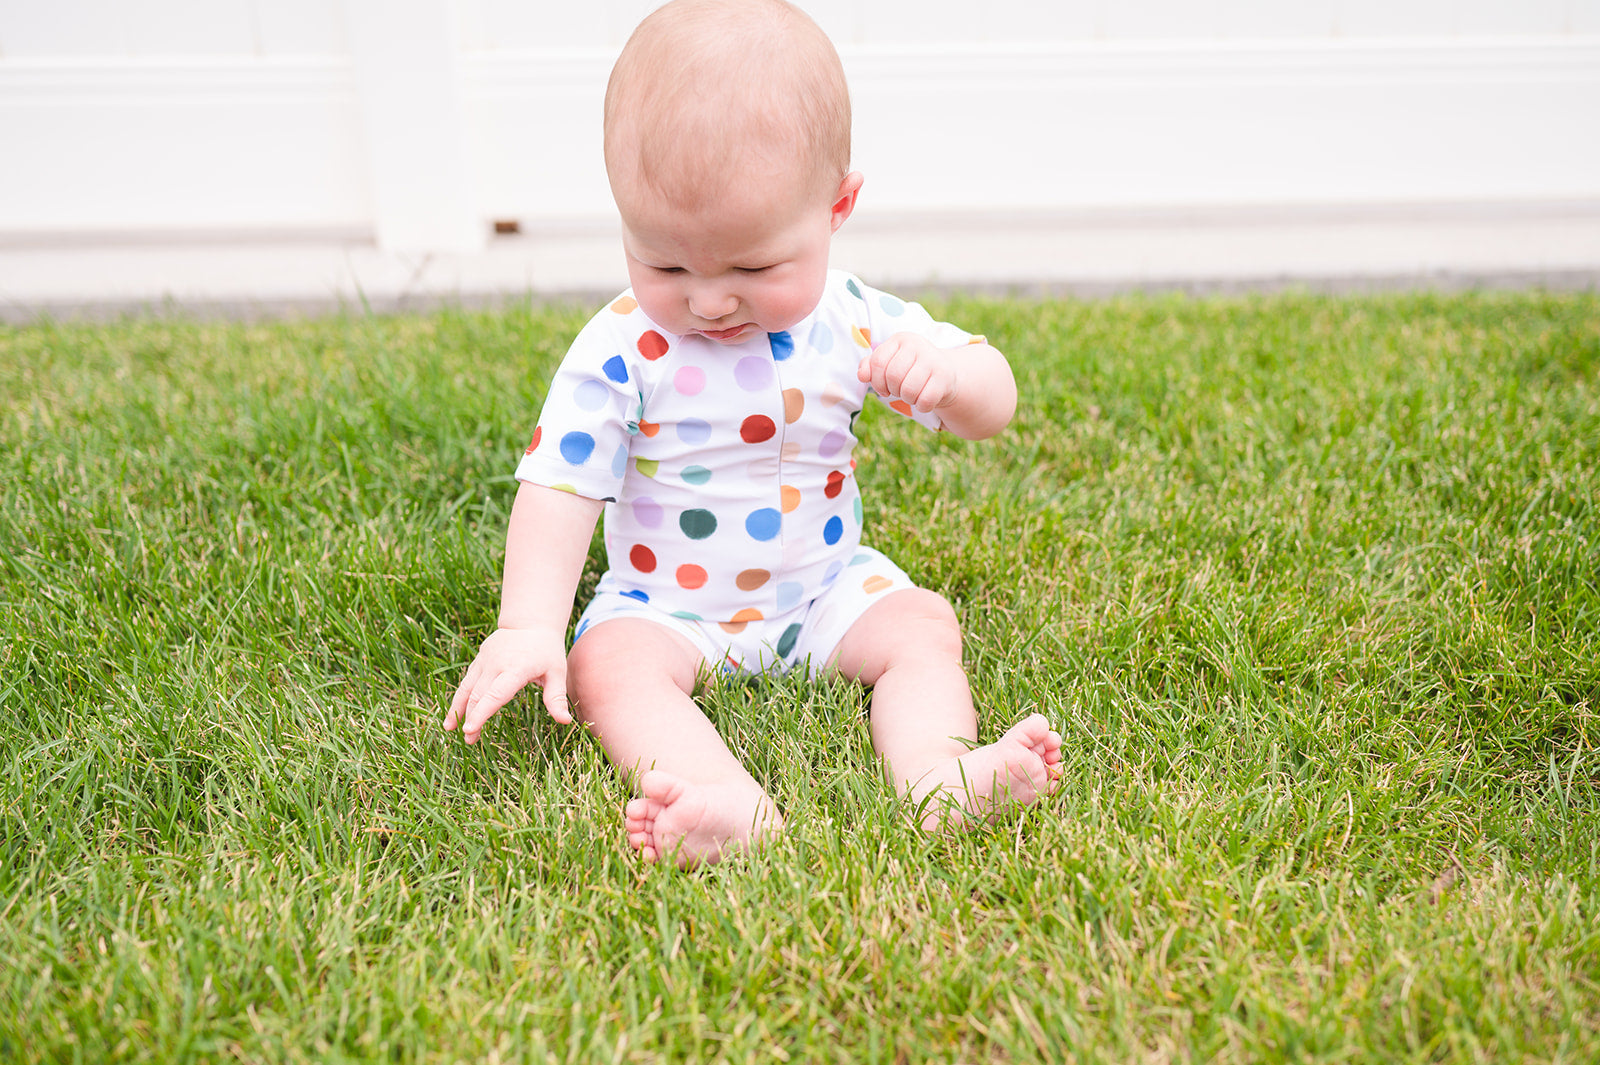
(887, 315)
(590, 414)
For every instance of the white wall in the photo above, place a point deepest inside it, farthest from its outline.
(421, 120)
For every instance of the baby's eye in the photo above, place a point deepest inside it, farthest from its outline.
(755, 269)
(667, 269)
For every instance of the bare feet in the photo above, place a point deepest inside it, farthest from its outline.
(1018, 769)
(687, 823)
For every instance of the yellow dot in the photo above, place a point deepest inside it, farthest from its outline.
(876, 583)
(862, 337)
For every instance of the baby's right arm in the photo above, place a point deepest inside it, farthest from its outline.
(547, 543)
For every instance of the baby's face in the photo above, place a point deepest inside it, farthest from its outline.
(754, 261)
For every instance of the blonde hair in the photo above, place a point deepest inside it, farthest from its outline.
(702, 83)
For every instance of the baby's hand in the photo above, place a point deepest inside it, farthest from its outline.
(508, 661)
(911, 367)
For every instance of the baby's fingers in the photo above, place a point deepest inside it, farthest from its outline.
(458, 702)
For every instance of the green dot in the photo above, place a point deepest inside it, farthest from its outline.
(697, 524)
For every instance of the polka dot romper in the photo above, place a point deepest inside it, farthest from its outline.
(730, 490)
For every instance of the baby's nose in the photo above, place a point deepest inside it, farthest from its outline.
(712, 302)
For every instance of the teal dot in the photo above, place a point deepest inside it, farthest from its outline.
(696, 475)
(697, 524)
(891, 306)
(855, 290)
(857, 509)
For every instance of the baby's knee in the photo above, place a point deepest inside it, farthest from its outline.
(923, 624)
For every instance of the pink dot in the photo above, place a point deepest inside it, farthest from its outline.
(689, 380)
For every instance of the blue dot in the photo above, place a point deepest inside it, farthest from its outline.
(591, 395)
(821, 338)
(619, 461)
(634, 593)
(617, 370)
(891, 306)
(763, 524)
(694, 431)
(833, 532)
(782, 346)
(576, 448)
(789, 593)
(834, 569)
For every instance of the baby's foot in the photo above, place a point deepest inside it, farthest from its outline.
(1019, 769)
(693, 823)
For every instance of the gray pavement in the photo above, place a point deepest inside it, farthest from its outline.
(1088, 253)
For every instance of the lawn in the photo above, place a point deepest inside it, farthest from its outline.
(1310, 585)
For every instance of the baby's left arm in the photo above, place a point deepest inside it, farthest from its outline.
(971, 386)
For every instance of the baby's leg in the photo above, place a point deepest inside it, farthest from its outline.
(633, 682)
(908, 649)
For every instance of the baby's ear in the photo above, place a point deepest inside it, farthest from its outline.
(844, 201)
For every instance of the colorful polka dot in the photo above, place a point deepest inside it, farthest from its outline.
(694, 431)
(900, 405)
(634, 593)
(791, 451)
(690, 576)
(821, 338)
(689, 380)
(782, 346)
(697, 524)
(625, 305)
(876, 583)
(835, 485)
(832, 573)
(649, 428)
(648, 512)
(833, 531)
(763, 524)
(751, 579)
(647, 467)
(857, 510)
(791, 498)
(831, 444)
(891, 306)
(652, 345)
(855, 290)
(789, 593)
(757, 429)
(833, 395)
(794, 405)
(696, 475)
(753, 373)
(591, 395)
(533, 445)
(577, 447)
(619, 461)
(786, 642)
(862, 337)
(642, 558)
(617, 370)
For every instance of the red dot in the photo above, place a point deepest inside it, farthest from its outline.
(756, 428)
(643, 559)
(691, 576)
(652, 345)
(538, 431)
(834, 486)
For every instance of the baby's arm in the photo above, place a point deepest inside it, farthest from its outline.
(971, 386)
(547, 543)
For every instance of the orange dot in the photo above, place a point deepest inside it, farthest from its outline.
(652, 345)
(791, 498)
(862, 337)
(794, 404)
(732, 628)
(649, 428)
(643, 559)
(751, 579)
(748, 614)
(691, 576)
(902, 406)
(625, 305)
(538, 431)
(875, 584)
(978, 338)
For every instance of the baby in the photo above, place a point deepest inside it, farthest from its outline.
(710, 413)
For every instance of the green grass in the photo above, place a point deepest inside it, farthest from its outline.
(1310, 585)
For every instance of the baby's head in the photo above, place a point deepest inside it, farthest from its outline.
(727, 142)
